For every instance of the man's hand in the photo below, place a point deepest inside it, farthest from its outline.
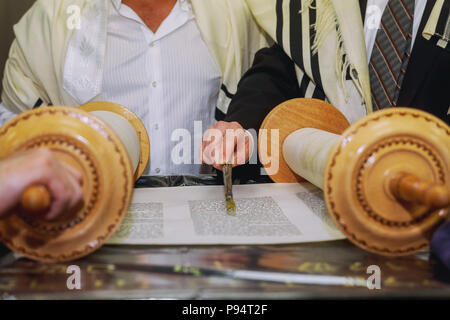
(40, 166)
(226, 142)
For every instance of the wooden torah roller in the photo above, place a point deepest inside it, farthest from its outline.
(386, 178)
(103, 151)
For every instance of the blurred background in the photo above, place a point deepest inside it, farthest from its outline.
(10, 13)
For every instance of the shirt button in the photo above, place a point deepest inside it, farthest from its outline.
(154, 84)
(156, 127)
(152, 44)
(157, 170)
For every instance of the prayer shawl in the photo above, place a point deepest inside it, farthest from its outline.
(54, 61)
(325, 39)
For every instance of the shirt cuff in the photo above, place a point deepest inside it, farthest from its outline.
(5, 114)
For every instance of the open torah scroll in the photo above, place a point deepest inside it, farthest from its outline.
(265, 214)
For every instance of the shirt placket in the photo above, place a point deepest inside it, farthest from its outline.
(156, 106)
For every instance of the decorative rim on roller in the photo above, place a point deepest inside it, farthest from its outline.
(134, 121)
(76, 148)
(293, 115)
(382, 148)
(360, 166)
(107, 196)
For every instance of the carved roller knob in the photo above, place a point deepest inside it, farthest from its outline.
(407, 187)
(36, 199)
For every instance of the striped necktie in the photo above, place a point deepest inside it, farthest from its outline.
(391, 53)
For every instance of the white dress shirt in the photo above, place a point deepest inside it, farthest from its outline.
(375, 10)
(167, 78)
(5, 114)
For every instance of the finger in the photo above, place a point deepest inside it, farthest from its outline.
(56, 209)
(242, 150)
(235, 139)
(70, 178)
(229, 145)
(74, 172)
(75, 195)
(212, 151)
(204, 156)
(60, 200)
(223, 125)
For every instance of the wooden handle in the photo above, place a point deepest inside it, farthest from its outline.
(407, 187)
(36, 199)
